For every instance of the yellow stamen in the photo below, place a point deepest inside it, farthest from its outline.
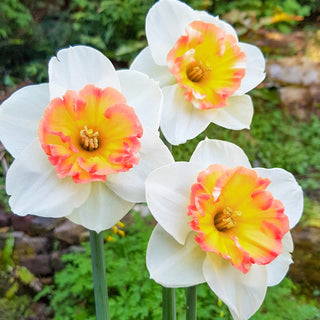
(196, 71)
(89, 140)
(226, 219)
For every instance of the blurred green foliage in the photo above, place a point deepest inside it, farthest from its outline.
(265, 8)
(32, 31)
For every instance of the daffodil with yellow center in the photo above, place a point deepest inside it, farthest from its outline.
(222, 222)
(85, 142)
(203, 70)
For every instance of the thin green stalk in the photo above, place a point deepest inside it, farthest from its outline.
(168, 304)
(191, 294)
(99, 276)
(167, 143)
(168, 294)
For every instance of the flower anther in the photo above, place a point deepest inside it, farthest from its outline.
(235, 216)
(208, 65)
(90, 133)
(89, 139)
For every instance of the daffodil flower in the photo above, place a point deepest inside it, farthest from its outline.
(85, 142)
(222, 222)
(202, 68)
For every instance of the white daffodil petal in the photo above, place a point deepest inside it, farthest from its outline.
(20, 115)
(36, 189)
(208, 18)
(75, 67)
(236, 115)
(165, 23)
(242, 293)
(285, 188)
(279, 267)
(219, 152)
(144, 95)
(145, 63)
(102, 210)
(172, 264)
(255, 70)
(168, 196)
(180, 120)
(130, 185)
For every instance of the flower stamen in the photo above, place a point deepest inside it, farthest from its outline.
(226, 219)
(196, 72)
(89, 140)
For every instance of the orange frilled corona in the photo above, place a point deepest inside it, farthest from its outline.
(208, 65)
(90, 133)
(235, 216)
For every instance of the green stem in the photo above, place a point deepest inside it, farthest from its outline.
(167, 143)
(168, 294)
(99, 276)
(191, 293)
(168, 304)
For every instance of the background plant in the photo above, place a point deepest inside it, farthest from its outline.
(32, 31)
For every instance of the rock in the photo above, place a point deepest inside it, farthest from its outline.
(69, 232)
(21, 223)
(26, 245)
(39, 265)
(294, 70)
(40, 312)
(41, 226)
(84, 236)
(291, 96)
(56, 262)
(306, 257)
(34, 225)
(5, 218)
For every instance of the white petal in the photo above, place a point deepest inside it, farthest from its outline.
(211, 151)
(144, 95)
(279, 267)
(242, 293)
(285, 188)
(130, 185)
(75, 67)
(172, 264)
(180, 120)
(165, 23)
(237, 115)
(145, 63)
(20, 115)
(255, 70)
(102, 210)
(36, 189)
(168, 195)
(206, 17)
